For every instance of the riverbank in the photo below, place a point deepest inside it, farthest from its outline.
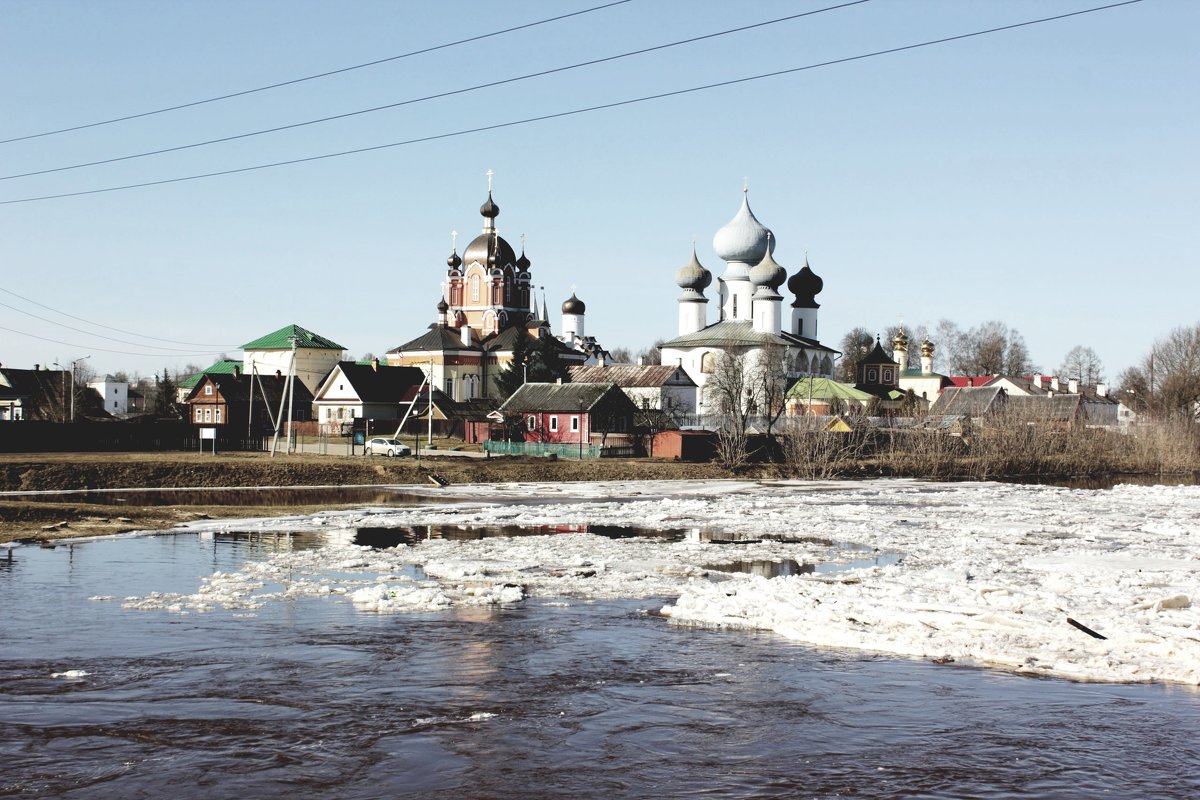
(24, 519)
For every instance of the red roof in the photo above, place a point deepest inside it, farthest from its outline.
(965, 381)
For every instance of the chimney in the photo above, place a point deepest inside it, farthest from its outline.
(559, 381)
(465, 330)
(375, 364)
(237, 372)
(639, 361)
(1054, 383)
(600, 360)
(1037, 381)
(36, 367)
(1101, 390)
(970, 381)
(1073, 386)
(278, 374)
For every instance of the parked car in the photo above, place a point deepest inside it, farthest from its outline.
(387, 447)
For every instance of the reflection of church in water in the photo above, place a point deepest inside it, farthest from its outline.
(750, 321)
(488, 301)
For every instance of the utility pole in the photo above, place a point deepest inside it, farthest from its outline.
(73, 363)
(429, 411)
(291, 384)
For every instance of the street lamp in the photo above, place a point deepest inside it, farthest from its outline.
(73, 363)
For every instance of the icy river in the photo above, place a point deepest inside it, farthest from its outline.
(867, 639)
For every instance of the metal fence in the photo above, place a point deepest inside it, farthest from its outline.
(560, 449)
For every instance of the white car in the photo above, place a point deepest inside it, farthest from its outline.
(387, 447)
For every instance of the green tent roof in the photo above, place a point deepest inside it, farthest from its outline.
(825, 389)
(282, 340)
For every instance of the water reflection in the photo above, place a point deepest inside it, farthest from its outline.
(385, 537)
(284, 496)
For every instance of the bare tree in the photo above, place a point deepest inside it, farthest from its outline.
(855, 346)
(768, 386)
(990, 348)
(652, 355)
(729, 390)
(1082, 363)
(620, 355)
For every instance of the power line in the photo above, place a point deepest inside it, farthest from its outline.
(90, 347)
(439, 95)
(101, 325)
(90, 333)
(577, 111)
(281, 84)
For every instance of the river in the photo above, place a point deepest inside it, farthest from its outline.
(310, 697)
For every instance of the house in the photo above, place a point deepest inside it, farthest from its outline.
(587, 413)
(371, 391)
(36, 394)
(971, 402)
(314, 355)
(247, 403)
(113, 393)
(1095, 404)
(185, 385)
(660, 387)
(812, 396)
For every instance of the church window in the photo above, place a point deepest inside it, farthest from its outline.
(800, 327)
(474, 288)
(887, 376)
(734, 314)
(507, 292)
(708, 363)
(872, 375)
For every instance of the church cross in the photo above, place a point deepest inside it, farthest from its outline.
(489, 177)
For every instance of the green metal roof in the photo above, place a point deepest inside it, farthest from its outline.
(825, 389)
(282, 340)
(223, 367)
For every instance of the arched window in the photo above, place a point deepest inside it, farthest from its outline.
(474, 288)
(708, 363)
(734, 314)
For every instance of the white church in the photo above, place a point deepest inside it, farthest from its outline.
(751, 317)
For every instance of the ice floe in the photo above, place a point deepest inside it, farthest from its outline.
(976, 573)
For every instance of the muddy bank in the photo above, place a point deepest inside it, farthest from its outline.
(26, 520)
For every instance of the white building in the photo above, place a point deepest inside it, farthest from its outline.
(315, 355)
(751, 317)
(115, 394)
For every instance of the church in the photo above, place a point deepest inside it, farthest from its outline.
(750, 320)
(488, 301)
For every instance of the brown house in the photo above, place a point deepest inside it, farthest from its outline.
(246, 403)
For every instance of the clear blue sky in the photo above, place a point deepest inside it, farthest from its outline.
(1046, 176)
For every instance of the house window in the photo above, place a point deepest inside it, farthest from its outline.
(208, 415)
(450, 388)
(208, 389)
(199, 415)
(554, 424)
(217, 415)
(531, 423)
(574, 423)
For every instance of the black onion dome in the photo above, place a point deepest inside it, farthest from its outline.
(489, 209)
(443, 306)
(480, 250)
(454, 262)
(573, 305)
(523, 263)
(806, 285)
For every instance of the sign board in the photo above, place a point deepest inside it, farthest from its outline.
(208, 433)
(360, 437)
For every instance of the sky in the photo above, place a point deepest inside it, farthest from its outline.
(1044, 176)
